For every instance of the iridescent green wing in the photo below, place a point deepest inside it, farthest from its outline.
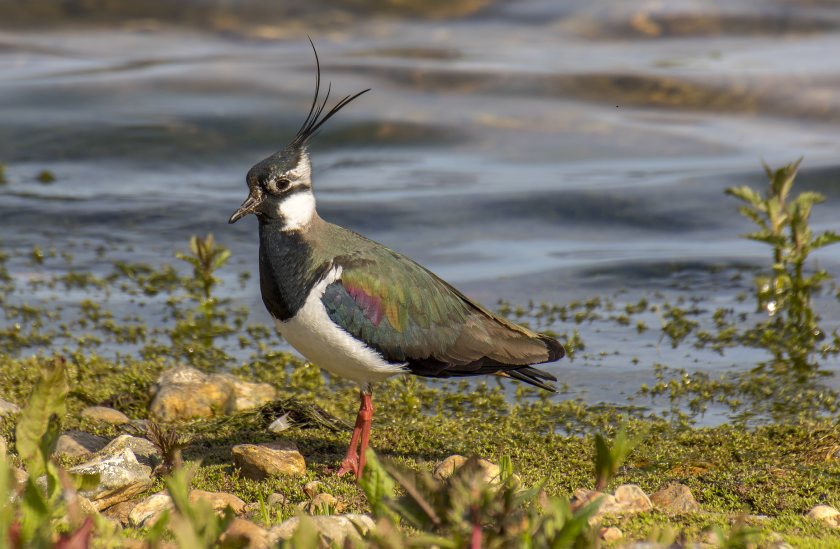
(395, 306)
(410, 315)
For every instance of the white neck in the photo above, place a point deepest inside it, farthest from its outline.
(297, 210)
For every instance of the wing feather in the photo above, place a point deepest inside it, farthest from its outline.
(408, 314)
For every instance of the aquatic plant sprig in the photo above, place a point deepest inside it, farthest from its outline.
(791, 333)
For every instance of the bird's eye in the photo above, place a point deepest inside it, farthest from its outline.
(277, 185)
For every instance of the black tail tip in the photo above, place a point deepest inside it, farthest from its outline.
(535, 377)
(555, 349)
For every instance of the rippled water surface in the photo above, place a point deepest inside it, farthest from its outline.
(521, 150)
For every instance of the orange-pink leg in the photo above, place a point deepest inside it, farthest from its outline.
(355, 458)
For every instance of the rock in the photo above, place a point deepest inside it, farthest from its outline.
(333, 528)
(148, 511)
(632, 499)
(675, 498)
(246, 395)
(611, 534)
(79, 444)
(583, 497)
(492, 473)
(119, 513)
(186, 393)
(258, 461)
(826, 514)
(219, 500)
(121, 477)
(86, 506)
(628, 499)
(8, 408)
(313, 488)
(244, 531)
(448, 466)
(103, 414)
(324, 504)
(277, 499)
(146, 452)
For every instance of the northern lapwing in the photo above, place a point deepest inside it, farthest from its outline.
(360, 310)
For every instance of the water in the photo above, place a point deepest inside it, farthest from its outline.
(521, 150)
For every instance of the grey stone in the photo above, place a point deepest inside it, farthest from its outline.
(121, 477)
(148, 511)
(146, 452)
(333, 528)
(79, 444)
(675, 498)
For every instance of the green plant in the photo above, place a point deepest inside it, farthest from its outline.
(43, 511)
(194, 524)
(609, 458)
(169, 442)
(198, 327)
(792, 332)
(468, 510)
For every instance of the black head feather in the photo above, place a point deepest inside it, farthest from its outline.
(314, 120)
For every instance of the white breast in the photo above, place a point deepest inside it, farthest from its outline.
(314, 335)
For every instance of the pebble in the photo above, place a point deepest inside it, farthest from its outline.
(219, 501)
(611, 534)
(146, 452)
(448, 466)
(628, 499)
(258, 461)
(675, 498)
(277, 499)
(147, 512)
(187, 393)
(8, 408)
(241, 531)
(79, 444)
(119, 513)
(313, 488)
(121, 477)
(826, 514)
(334, 528)
(104, 414)
(324, 504)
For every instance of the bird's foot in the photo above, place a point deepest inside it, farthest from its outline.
(349, 464)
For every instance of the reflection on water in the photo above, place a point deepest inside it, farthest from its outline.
(524, 150)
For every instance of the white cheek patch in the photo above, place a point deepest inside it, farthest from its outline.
(297, 210)
(303, 171)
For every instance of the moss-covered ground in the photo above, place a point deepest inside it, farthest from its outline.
(766, 477)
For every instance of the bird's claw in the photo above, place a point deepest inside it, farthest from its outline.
(349, 465)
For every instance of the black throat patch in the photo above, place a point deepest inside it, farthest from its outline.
(287, 273)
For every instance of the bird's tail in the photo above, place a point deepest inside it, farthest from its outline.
(534, 377)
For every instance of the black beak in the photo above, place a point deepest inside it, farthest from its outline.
(248, 207)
